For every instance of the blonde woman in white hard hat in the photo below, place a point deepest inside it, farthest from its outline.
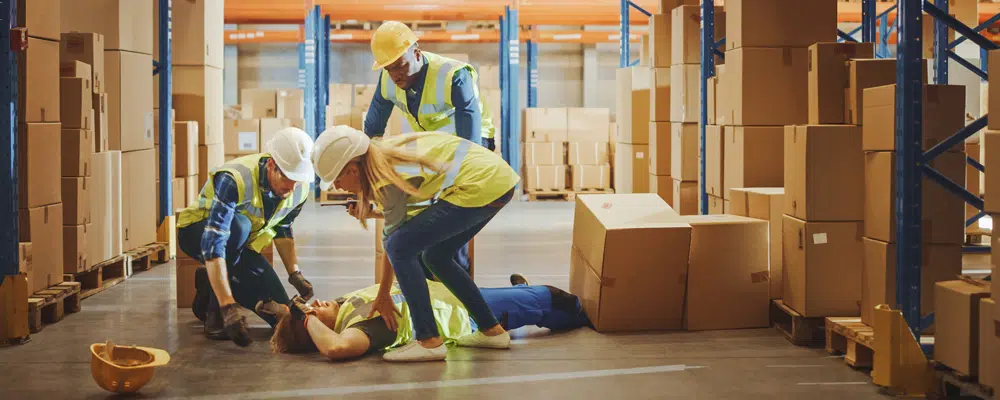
(461, 187)
(247, 204)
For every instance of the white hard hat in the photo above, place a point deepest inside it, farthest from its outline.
(336, 147)
(291, 148)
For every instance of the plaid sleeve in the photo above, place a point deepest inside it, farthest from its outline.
(220, 217)
(284, 229)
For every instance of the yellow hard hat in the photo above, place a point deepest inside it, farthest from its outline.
(124, 369)
(389, 42)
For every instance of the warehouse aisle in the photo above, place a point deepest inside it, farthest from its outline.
(337, 256)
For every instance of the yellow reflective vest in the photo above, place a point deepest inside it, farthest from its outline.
(436, 112)
(246, 173)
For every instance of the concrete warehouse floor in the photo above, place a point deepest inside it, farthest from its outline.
(337, 256)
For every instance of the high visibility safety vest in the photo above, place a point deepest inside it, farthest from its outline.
(474, 177)
(450, 315)
(436, 112)
(246, 172)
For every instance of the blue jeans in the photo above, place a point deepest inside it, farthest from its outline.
(542, 306)
(437, 234)
(251, 277)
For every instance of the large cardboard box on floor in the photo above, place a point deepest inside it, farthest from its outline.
(590, 177)
(659, 94)
(686, 34)
(38, 82)
(197, 32)
(663, 186)
(631, 170)
(544, 153)
(754, 157)
(105, 207)
(824, 173)
(727, 284)
(685, 93)
(938, 263)
(686, 199)
(40, 17)
(586, 153)
(242, 136)
(125, 24)
(587, 124)
(989, 344)
(617, 238)
(822, 265)
(943, 115)
(865, 74)
(77, 148)
(765, 87)
(956, 306)
(259, 103)
(943, 212)
(138, 194)
(660, 151)
(546, 125)
(660, 42)
(828, 73)
(209, 157)
(545, 177)
(75, 240)
(684, 146)
(130, 100)
(766, 204)
(86, 47)
(198, 97)
(42, 226)
(39, 160)
(779, 23)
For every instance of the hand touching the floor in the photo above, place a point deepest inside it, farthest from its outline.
(300, 283)
(384, 306)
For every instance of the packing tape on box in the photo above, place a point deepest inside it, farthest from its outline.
(760, 276)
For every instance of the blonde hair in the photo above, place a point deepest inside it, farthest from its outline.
(378, 165)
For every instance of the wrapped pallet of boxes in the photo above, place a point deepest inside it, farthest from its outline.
(545, 135)
(588, 160)
(632, 174)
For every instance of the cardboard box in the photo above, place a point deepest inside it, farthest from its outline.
(125, 24)
(865, 74)
(661, 185)
(727, 285)
(587, 124)
(631, 168)
(342, 94)
(209, 157)
(38, 82)
(77, 148)
(76, 201)
(994, 90)
(130, 100)
(138, 194)
(684, 147)
(101, 125)
(660, 30)
(822, 267)
(991, 182)
(956, 305)
(269, 127)
(242, 136)
(938, 263)
(765, 87)
(75, 238)
(545, 177)
(192, 188)
(928, 32)
(713, 87)
(75, 102)
(685, 93)
(544, 153)
(546, 124)
(824, 173)
(766, 204)
(943, 116)
(105, 217)
(715, 156)
(75, 69)
(660, 150)
(686, 199)
(723, 104)
(489, 76)
(186, 267)
(659, 95)
(828, 74)
(88, 48)
(156, 163)
(632, 103)
(765, 23)
(259, 103)
(686, 34)
(198, 97)
(39, 165)
(582, 153)
(665, 6)
(197, 32)
(40, 17)
(290, 104)
(156, 124)
(607, 255)
(989, 344)
(716, 205)
(14, 306)
(590, 176)
(179, 197)
(753, 157)
(42, 226)
(943, 213)
(972, 184)
(186, 140)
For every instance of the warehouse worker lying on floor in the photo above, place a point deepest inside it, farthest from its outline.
(342, 329)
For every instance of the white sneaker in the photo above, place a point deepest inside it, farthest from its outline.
(414, 352)
(478, 339)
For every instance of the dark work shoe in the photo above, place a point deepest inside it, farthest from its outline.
(214, 326)
(518, 279)
(203, 289)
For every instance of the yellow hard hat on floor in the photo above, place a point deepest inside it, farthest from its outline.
(389, 42)
(124, 369)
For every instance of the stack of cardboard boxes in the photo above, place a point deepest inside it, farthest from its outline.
(631, 173)
(76, 93)
(989, 344)
(545, 135)
(39, 144)
(587, 148)
(969, 344)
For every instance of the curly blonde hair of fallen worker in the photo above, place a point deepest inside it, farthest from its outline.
(378, 165)
(291, 336)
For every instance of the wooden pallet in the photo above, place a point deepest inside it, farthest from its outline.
(852, 338)
(799, 330)
(428, 25)
(953, 384)
(482, 26)
(976, 236)
(48, 306)
(562, 195)
(102, 276)
(351, 25)
(144, 257)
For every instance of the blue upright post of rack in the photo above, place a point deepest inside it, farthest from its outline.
(310, 55)
(532, 74)
(301, 82)
(504, 91)
(941, 46)
(8, 139)
(623, 43)
(708, 50)
(164, 69)
(512, 85)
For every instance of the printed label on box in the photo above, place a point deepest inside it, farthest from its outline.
(247, 141)
(819, 238)
(149, 126)
(640, 155)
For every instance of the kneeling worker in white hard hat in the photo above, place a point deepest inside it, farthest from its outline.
(247, 204)
(463, 186)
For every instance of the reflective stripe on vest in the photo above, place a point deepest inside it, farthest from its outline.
(436, 111)
(450, 174)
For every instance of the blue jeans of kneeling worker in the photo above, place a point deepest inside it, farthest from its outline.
(437, 234)
(251, 277)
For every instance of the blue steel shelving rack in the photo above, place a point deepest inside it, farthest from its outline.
(164, 69)
(314, 56)
(510, 63)
(8, 141)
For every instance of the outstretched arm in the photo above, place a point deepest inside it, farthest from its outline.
(337, 346)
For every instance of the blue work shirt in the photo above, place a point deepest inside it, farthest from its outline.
(468, 118)
(220, 216)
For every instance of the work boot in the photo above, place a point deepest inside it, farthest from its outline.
(214, 326)
(518, 279)
(203, 289)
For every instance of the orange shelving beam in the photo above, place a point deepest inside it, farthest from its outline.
(363, 36)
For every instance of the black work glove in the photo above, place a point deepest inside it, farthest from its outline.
(299, 308)
(235, 325)
(300, 283)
